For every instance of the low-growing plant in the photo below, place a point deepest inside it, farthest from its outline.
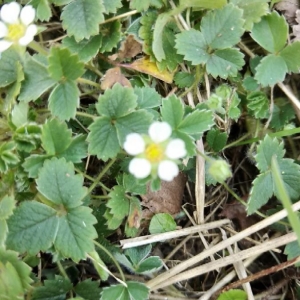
(102, 102)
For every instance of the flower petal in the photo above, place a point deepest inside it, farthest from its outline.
(176, 149)
(134, 144)
(140, 167)
(29, 35)
(167, 170)
(27, 15)
(3, 30)
(160, 131)
(10, 12)
(4, 45)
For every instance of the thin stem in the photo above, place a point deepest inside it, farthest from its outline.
(38, 48)
(113, 259)
(128, 14)
(86, 115)
(89, 82)
(102, 173)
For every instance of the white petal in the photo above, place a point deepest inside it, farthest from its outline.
(167, 170)
(27, 15)
(140, 167)
(29, 35)
(10, 12)
(3, 30)
(4, 45)
(134, 144)
(176, 149)
(160, 131)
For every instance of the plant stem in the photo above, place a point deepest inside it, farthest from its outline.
(97, 180)
(86, 115)
(38, 48)
(90, 82)
(113, 259)
(128, 14)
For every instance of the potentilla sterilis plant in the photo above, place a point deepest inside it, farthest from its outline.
(15, 25)
(156, 154)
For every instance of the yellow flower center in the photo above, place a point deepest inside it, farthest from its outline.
(15, 32)
(154, 153)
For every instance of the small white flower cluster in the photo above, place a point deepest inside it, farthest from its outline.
(155, 154)
(15, 25)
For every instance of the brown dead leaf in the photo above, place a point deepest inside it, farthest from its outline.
(167, 200)
(113, 76)
(237, 211)
(144, 65)
(288, 8)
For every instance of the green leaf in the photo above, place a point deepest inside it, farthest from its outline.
(103, 139)
(100, 267)
(37, 80)
(76, 233)
(33, 163)
(266, 149)
(133, 291)
(131, 184)
(14, 275)
(43, 10)
(258, 103)
(222, 28)
(233, 295)
(291, 56)
(192, 45)
(261, 192)
(162, 222)
(225, 62)
(172, 111)
(111, 6)
(290, 173)
(118, 204)
(32, 227)
(138, 121)
(253, 10)
(53, 289)
(216, 139)
(8, 67)
(117, 102)
(7, 156)
(149, 265)
(208, 4)
(27, 137)
(145, 4)
(89, 14)
(157, 46)
(19, 114)
(58, 183)
(188, 140)
(283, 113)
(271, 32)
(88, 289)
(184, 79)
(197, 122)
(64, 99)
(111, 35)
(292, 250)
(138, 254)
(56, 137)
(7, 205)
(77, 150)
(147, 22)
(64, 65)
(271, 70)
(147, 97)
(85, 49)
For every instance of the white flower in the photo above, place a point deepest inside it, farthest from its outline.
(167, 170)
(134, 144)
(140, 167)
(15, 25)
(156, 154)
